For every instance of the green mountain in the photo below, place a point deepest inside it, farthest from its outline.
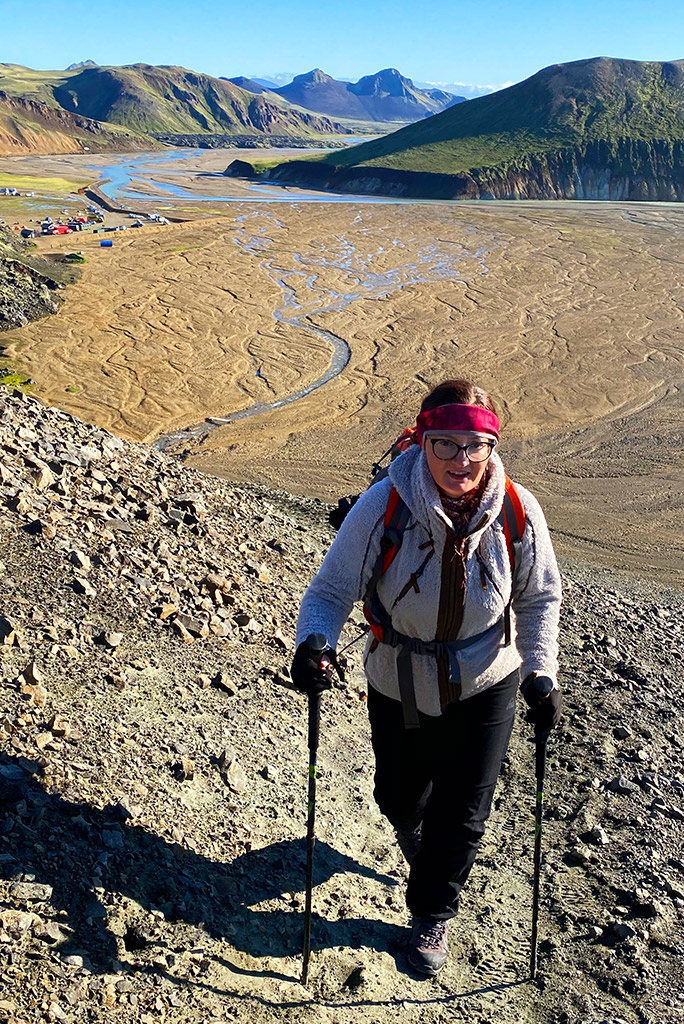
(32, 120)
(384, 96)
(172, 99)
(597, 128)
(106, 107)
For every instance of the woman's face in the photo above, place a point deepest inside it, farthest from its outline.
(458, 476)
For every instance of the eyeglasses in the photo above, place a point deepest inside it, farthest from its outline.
(475, 451)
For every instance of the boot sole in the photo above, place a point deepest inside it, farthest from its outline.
(425, 969)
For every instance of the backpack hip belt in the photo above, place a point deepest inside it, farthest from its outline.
(433, 648)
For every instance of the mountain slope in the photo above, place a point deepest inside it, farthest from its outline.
(250, 84)
(31, 126)
(153, 773)
(595, 118)
(385, 96)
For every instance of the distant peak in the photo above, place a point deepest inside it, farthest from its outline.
(316, 77)
(83, 64)
(389, 80)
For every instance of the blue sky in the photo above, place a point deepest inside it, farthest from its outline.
(439, 41)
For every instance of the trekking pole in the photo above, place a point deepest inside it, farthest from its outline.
(317, 643)
(540, 738)
(364, 632)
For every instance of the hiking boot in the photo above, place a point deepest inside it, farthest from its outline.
(409, 843)
(427, 945)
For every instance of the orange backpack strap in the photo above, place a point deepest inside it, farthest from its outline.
(513, 521)
(512, 518)
(396, 519)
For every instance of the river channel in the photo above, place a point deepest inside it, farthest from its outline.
(119, 181)
(428, 264)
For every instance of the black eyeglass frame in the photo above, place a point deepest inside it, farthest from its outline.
(462, 448)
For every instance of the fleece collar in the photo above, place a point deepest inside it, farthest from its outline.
(413, 480)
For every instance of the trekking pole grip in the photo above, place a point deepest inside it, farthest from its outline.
(318, 645)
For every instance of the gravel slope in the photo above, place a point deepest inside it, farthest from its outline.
(152, 774)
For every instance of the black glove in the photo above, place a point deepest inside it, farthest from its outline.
(336, 516)
(307, 675)
(544, 703)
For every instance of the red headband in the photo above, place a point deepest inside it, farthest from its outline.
(458, 418)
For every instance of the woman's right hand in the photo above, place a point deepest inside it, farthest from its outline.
(312, 671)
(544, 702)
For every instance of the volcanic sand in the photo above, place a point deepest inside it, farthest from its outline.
(570, 314)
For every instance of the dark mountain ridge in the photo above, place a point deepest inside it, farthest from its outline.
(250, 84)
(384, 96)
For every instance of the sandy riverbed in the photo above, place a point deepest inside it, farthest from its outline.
(570, 314)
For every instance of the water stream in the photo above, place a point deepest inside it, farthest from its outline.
(363, 280)
(120, 179)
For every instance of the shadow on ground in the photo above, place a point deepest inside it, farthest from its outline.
(76, 848)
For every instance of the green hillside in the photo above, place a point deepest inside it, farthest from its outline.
(93, 104)
(156, 100)
(602, 128)
(33, 121)
(600, 99)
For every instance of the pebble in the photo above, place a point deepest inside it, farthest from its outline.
(195, 627)
(623, 931)
(16, 922)
(355, 979)
(236, 778)
(30, 892)
(109, 638)
(621, 785)
(8, 632)
(32, 675)
(79, 559)
(622, 732)
(48, 931)
(598, 836)
(224, 682)
(581, 855)
(73, 960)
(185, 769)
(82, 586)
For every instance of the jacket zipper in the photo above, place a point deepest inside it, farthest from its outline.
(452, 599)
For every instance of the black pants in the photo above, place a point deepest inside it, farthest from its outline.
(442, 775)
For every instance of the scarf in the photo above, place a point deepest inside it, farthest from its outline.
(461, 510)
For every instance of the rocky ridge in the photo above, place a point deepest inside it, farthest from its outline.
(25, 293)
(152, 773)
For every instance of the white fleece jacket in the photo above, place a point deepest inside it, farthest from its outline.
(348, 565)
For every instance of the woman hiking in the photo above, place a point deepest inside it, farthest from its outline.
(460, 586)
